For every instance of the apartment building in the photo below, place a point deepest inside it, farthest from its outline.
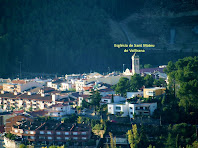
(29, 101)
(154, 92)
(20, 85)
(59, 110)
(13, 120)
(51, 132)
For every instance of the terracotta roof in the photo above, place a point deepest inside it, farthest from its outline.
(152, 70)
(35, 97)
(105, 90)
(19, 81)
(9, 95)
(38, 113)
(59, 105)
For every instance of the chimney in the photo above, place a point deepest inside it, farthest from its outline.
(15, 93)
(29, 93)
(42, 94)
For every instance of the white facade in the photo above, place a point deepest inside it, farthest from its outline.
(11, 87)
(134, 94)
(131, 109)
(60, 110)
(117, 108)
(135, 64)
(79, 85)
(65, 86)
(108, 99)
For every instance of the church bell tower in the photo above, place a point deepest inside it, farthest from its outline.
(135, 64)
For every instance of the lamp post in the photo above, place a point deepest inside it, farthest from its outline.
(123, 67)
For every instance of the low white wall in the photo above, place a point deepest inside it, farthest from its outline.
(10, 143)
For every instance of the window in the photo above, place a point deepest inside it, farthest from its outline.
(66, 138)
(83, 133)
(141, 107)
(118, 108)
(58, 133)
(131, 108)
(66, 133)
(58, 138)
(31, 132)
(109, 107)
(75, 138)
(31, 137)
(41, 137)
(84, 138)
(49, 132)
(26, 132)
(49, 137)
(131, 113)
(75, 133)
(41, 132)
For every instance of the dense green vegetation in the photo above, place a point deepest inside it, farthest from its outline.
(69, 36)
(136, 82)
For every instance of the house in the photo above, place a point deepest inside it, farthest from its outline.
(20, 85)
(94, 75)
(134, 94)
(145, 109)
(79, 85)
(65, 86)
(59, 110)
(154, 92)
(130, 109)
(108, 99)
(118, 109)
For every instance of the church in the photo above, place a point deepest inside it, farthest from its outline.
(135, 69)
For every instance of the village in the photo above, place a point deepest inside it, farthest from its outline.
(36, 111)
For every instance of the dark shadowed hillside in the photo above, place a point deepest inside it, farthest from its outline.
(75, 36)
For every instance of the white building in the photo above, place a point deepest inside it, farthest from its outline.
(115, 108)
(65, 86)
(20, 85)
(108, 99)
(79, 85)
(59, 110)
(135, 94)
(132, 108)
(142, 109)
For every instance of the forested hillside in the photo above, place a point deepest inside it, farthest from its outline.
(65, 36)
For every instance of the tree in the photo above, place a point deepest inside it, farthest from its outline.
(133, 136)
(22, 146)
(112, 99)
(150, 146)
(30, 109)
(160, 82)
(183, 76)
(79, 120)
(122, 86)
(112, 140)
(148, 81)
(136, 82)
(143, 138)
(95, 98)
(147, 66)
